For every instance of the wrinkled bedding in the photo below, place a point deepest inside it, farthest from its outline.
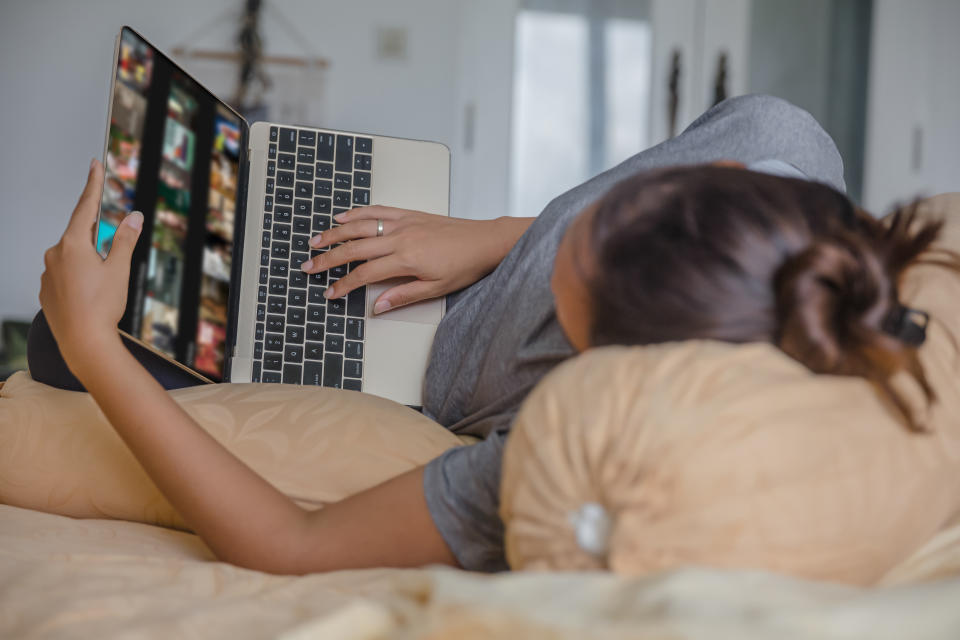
(66, 578)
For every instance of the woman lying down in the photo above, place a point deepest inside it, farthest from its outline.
(737, 230)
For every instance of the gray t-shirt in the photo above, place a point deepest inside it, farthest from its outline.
(500, 336)
(497, 340)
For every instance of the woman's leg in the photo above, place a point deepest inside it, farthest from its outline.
(47, 365)
(500, 335)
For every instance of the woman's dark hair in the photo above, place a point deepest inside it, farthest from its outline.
(727, 254)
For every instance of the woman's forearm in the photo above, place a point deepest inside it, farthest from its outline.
(509, 230)
(241, 517)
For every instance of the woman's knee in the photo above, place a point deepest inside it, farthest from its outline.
(793, 134)
(44, 360)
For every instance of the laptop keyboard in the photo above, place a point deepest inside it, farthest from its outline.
(301, 337)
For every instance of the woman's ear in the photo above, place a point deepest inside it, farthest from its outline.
(733, 164)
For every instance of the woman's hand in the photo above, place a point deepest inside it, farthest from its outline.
(443, 254)
(83, 296)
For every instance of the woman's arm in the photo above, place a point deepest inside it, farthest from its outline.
(442, 254)
(241, 517)
(237, 513)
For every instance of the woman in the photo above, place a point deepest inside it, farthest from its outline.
(500, 336)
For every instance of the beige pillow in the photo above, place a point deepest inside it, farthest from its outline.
(59, 454)
(705, 453)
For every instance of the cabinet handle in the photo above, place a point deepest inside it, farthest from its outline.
(720, 79)
(917, 148)
(673, 92)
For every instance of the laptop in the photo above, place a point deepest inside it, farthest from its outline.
(229, 208)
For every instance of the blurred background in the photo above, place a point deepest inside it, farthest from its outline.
(531, 96)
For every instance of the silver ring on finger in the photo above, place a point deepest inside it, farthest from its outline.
(379, 227)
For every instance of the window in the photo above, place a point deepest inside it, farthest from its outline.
(581, 94)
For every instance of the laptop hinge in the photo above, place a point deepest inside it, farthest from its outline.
(239, 225)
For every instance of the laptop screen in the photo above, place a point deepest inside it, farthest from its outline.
(173, 153)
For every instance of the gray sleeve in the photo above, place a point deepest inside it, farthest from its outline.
(462, 488)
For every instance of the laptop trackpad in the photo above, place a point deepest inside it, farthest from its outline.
(427, 311)
(395, 359)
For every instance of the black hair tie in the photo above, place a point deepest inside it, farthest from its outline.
(907, 325)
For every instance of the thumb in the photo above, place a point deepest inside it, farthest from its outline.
(125, 239)
(404, 294)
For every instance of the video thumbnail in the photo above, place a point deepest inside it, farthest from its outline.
(164, 276)
(178, 143)
(136, 62)
(212, 328)
(221, 210)
(171, 223)
(218, 249)
(216, 262)
(128, 111)
(159, 325)
(127, 117)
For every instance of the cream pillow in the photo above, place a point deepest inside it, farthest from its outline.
(704, 453)
(59, 454)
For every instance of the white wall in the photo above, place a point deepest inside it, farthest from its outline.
(56, 58)
(482, 131)
(913, 118)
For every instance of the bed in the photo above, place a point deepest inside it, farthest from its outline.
(95, 578)
(116, 561)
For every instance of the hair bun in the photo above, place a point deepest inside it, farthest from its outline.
(834, 301)
(715, 253)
